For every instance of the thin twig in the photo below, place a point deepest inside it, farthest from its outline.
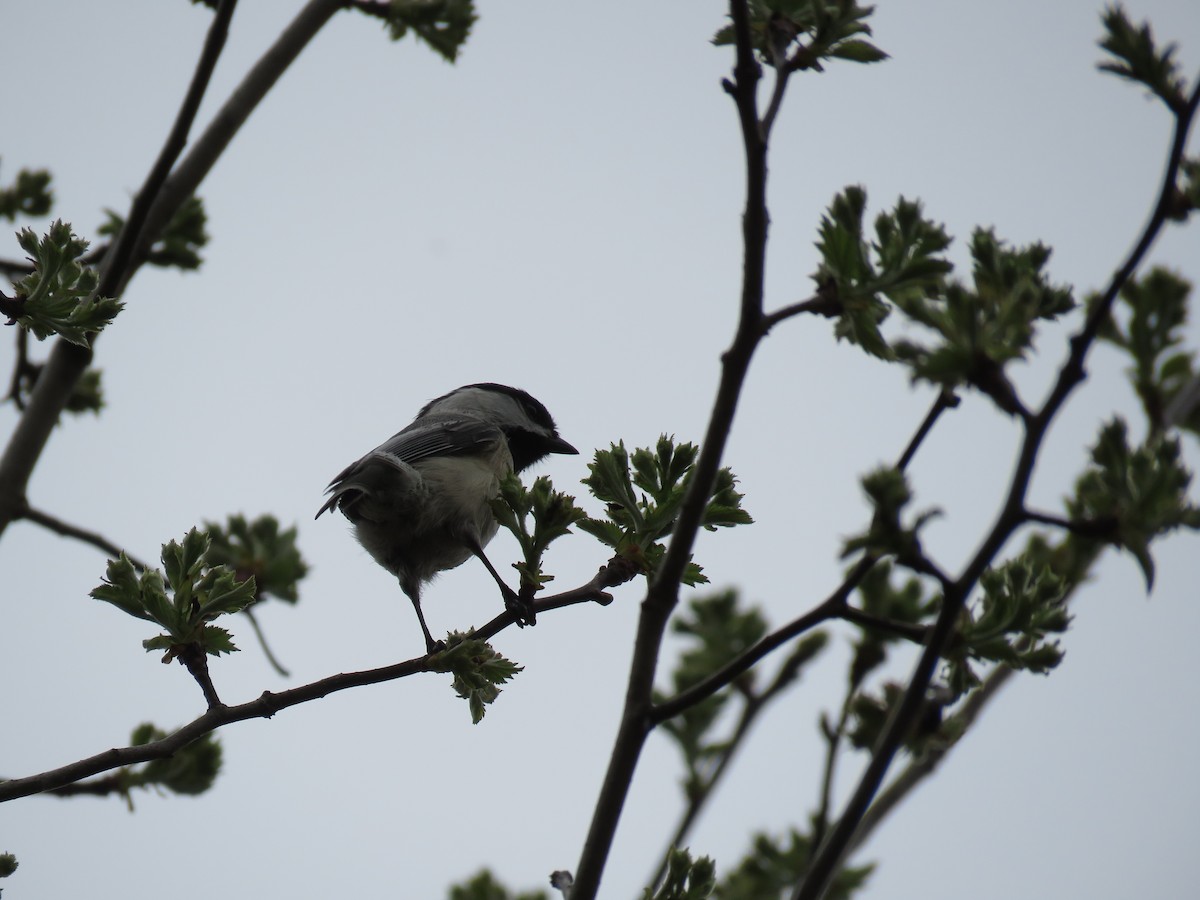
(262, 643)
(819, 304)
(1099, 529)
(834, 739)
(116, 266)
(66, 529)
(947, 399)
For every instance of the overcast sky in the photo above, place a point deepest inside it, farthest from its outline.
(560, 211)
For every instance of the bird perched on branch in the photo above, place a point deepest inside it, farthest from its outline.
(420, 502)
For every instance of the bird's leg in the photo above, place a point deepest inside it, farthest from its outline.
(431, 646)
(521, 608)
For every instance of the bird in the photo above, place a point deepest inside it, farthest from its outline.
(420, 502)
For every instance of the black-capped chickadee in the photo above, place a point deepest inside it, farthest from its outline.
(421, 501)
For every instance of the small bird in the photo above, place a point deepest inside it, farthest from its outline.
(420, 502)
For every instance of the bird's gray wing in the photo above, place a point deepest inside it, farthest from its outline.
(428, 437)
(439, 436)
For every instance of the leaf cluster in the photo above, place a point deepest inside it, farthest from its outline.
(478, 670)
(485, 886)
(259, 550)
(179, 244)
(1151, 331)
(199, 592)
(29, 195)
(775, 865)
(87, 394)
(686, 878)
(801, 34)
(56, 297)
(904, 261)
(1188, 196)
(8, 864)
(718, 629)
(1021, 606)
(643, 493)
(191, 770)
(444, 25)
(888, 492)
(984, 326)
(553, 515)
(1136, 57)
(1137, 493)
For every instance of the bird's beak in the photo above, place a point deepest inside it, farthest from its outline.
(558, 445)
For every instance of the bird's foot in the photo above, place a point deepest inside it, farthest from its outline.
(520, 607)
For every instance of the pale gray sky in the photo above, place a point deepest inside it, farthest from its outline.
(560, 211)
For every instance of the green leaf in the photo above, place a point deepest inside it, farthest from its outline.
(905, 261)
(1139, 492)
(1021, 606)
(30, 195)
(773, 866)
(1150, 323)
(200, 592)
(179, 244)
(56, 298)
(8, 864)
(553, 512)
(888, 491)
(1137, 57)
(189, 771)
(120, 588)
(643, 493)
(259, 550)
(983, 327)
(444, 25)
(215, 641)
(798, 34)
(686, 879)
(478, 671)
(858, 51)
(485, 886)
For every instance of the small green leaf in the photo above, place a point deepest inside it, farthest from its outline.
(30, 195)
(444, 25)
(1137, 57)
(858, 51)
(179, 244)
(478, 671)
(57, 297)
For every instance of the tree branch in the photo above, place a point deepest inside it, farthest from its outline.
(663, 593)
(829, 855)
(266, 706)
(1099, 529)
(754, 705)
(820, 304)
(58, 526)
(67, 361)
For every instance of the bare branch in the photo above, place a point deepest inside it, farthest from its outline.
(58, 526)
